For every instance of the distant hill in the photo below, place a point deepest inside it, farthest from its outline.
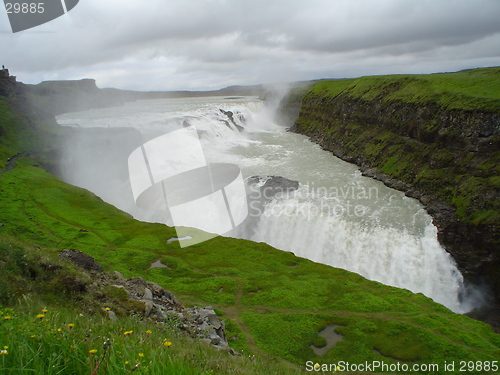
(59, 97)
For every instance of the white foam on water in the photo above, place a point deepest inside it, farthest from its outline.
(393, 241)
(392, 256)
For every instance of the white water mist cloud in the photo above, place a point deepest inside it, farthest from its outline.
(206, 44)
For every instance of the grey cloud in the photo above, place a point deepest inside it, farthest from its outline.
(432, 22)
(210, 43)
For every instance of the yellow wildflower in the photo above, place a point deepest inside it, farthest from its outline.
(141, 355)
(33, 336)
(71, 325)
(107, 308)
(8, 317)
(128, 332)
(40, 316)
(44, 310)
(167, 343)
(93, 351)
(317, 366)
(126, 362)
(59, 330)
(6, 347)
(149, 332)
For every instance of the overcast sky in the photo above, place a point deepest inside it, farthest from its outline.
(210, 44)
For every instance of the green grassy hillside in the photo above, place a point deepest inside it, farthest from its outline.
(472, 90)
(274, 304)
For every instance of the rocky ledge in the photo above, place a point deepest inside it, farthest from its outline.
(118, 295)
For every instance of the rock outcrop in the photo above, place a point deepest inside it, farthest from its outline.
(269, 186)
(81, 259)
(146, 298)
(57, 97)
(230, 116)
(7, 83)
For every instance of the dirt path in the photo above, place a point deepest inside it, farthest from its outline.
(11, 162)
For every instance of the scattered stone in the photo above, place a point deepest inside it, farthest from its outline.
(81, 259)
(159, 304)
(208, 326)
(158, 264)
(148, 308)
(148, 295)
(158, 291)
(204, 326)
(214, 321)
(119, 275)
(215, 339)
(112, 315)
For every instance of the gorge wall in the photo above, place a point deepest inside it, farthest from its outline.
(436, 137)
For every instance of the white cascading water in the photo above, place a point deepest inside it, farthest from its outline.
(336, 217)
(388, 255)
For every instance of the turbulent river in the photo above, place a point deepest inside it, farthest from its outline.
(336, 216)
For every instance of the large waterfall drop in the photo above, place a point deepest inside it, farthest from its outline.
(336, 216)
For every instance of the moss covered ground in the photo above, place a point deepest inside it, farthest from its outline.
(475, 89)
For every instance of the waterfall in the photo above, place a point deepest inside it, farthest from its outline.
(355, 223)
(392, 256)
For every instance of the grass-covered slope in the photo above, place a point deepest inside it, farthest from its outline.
(471, 90)
(53, 338)
(273, 303)
(24, 128)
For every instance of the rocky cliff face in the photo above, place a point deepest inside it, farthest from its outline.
(7, 85)
(448, 158)
(59, 97)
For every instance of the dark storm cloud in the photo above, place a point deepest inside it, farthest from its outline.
(201, 44)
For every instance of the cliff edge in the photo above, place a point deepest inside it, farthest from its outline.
(436, 137)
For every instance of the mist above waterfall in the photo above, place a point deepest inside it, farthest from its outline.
(336, 216)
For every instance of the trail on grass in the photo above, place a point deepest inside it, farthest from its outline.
(11, 162)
